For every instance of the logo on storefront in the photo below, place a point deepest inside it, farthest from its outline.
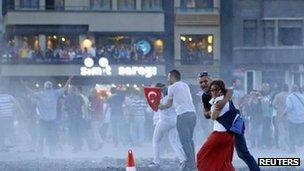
(146, 71)
(90, 70)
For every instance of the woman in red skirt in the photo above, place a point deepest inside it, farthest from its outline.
(217, 152)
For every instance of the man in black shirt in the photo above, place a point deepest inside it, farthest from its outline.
(240, 142)
(117, 119)
(74, 104)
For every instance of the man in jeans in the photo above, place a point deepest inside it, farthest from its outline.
(47, 100)
(179, 97)
(240, 142)
(294, 114)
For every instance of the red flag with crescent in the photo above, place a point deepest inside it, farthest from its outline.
(153, 96)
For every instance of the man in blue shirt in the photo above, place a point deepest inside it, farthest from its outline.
(47, 100)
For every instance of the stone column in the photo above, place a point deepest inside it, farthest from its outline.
(276, 33)
(177, 3)
(138, 5)
(217, 4)
(114, 5)
(18, 41)
(42, 4)
(42, 42)
(17, 4)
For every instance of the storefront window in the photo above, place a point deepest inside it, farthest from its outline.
(61, 41)
(127, 5)
(151, 5)
(130, 49)
(100, 4)
(269, 33)
(29, 4)
(250, 33)
(290, 33)
(54, 5)
(197, 49)
(197, 4)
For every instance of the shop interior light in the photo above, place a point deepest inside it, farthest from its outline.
(37, 85)
(209, 49)
(128, 85)
(69, 85)
(135, 86)
(59, 85)
(87, 43)
(190, 39)
(159, 43)
(63, 39)
(183, 38)
(55, 37)
(210, 39)
(113, 85)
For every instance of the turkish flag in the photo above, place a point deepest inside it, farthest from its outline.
(153, 96)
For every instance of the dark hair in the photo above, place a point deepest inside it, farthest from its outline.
(234, 80)
(160, 85)
(220, 84)
(204, 74)
(176, 74)
(113, 90)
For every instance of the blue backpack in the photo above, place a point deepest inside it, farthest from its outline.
(232, 120)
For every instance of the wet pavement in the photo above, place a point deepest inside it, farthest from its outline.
(110, 158)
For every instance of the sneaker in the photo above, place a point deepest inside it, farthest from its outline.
(182, 165)
(154, 165)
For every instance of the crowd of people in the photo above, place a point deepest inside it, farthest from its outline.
(196, 55)
(67, 116)
(71, 118)
(115, 53)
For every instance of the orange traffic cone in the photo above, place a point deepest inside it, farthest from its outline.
(130, 162)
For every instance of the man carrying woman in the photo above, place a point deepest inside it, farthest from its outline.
(217, 152)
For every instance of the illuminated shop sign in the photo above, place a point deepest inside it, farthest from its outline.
(147, 71)
(104, 69)
(90, 70)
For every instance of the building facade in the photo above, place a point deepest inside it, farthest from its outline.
(136, 37)
(197, 37)
(264, 41)
(181, 34)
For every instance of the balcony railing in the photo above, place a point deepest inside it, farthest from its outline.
(268, 55)
(209, 10)
(78, 8)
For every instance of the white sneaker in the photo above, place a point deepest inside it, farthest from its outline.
(154, 165)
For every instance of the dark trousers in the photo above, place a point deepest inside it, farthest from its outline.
(267, 132)
(243, 153)
(295, 135)
(76, 132)
(47, 132)
(185, 126)
(6, 130)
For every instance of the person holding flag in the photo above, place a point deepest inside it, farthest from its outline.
(180, 98)
(166, 126)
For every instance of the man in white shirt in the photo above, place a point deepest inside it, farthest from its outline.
(295, 116)
(179, 97)
(166, 126)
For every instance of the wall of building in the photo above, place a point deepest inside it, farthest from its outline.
(97, 21)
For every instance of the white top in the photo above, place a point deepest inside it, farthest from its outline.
(182, 100)
(217, 126)
(169, 114)
(294, 107)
